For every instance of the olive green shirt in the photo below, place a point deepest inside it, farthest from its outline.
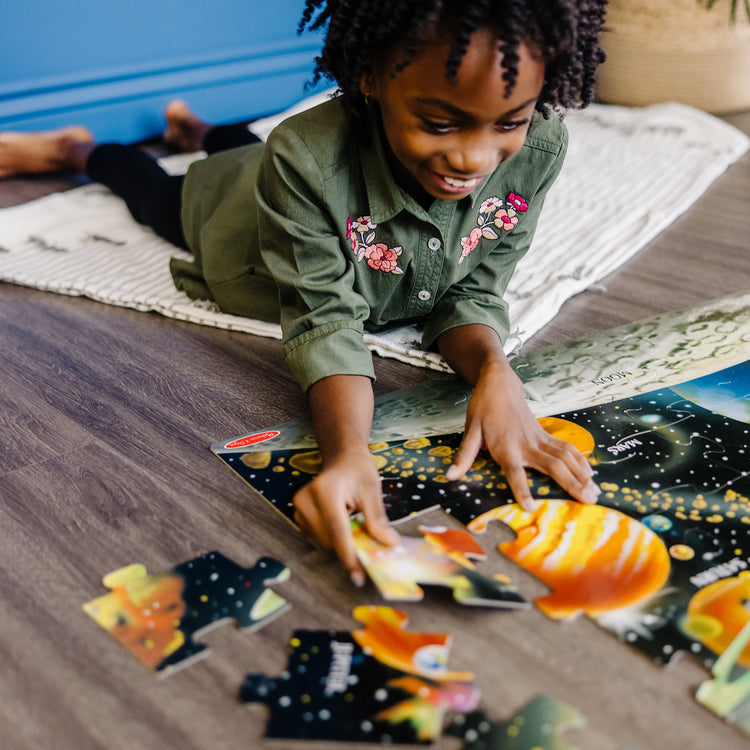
(311, 230)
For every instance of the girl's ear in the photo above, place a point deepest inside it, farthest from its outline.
(368, 86)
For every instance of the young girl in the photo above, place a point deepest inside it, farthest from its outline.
(410, 197)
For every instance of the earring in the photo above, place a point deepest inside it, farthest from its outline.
(367, 100)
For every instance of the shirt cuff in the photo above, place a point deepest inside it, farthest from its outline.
(488, 312)
(331, 349)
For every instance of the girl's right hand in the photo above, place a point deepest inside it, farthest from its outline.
(349, 482)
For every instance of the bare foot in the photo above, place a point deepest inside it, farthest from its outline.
(49, 151)
(184, 130)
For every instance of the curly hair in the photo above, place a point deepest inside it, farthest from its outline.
(359, 33)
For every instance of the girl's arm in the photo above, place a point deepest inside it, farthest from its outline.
(499, 419)
(341, 407)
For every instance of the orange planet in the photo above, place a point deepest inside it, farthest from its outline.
(595, 559)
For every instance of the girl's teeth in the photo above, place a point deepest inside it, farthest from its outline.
(459, 183)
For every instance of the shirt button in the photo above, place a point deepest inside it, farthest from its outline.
(434, 243)
(424, 295)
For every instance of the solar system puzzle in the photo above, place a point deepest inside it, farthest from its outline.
(662, 561)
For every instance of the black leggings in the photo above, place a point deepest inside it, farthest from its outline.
(153, 196)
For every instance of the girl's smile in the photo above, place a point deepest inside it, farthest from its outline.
(445, 138)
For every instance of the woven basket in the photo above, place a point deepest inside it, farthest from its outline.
(676, 50)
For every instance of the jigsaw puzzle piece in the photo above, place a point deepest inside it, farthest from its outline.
(595, 559)
(156, 616)
(718, 617)
(728, 693)
(442, 557)
(379, 684)
(539, 725)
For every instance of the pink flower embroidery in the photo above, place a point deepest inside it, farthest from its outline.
(494, 212)
(506, 220)
(383, 258)
(470, 242)
(518, 202)
(379, 256)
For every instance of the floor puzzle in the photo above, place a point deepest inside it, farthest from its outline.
(663, 560)
(441, 557)
(157, 616)
(539, 725)
(380, 684)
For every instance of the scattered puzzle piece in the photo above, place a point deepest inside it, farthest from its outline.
(379, 684)
(440, 558)
(539, 725)
(156, 616)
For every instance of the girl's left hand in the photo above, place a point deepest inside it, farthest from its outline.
(499, 419)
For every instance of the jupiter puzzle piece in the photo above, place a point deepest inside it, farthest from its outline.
(379, 684)
(156, 616)
(440, 558)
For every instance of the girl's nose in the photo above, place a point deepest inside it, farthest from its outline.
(475, 157)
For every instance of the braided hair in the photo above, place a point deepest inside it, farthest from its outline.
(359, 33)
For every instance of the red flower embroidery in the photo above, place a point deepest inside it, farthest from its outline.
(518, 202)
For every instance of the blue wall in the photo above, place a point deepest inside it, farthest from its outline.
(112, 65)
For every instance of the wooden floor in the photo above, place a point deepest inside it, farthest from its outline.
(106, 418)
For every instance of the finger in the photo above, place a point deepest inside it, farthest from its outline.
(562, 463)
(465, 455)
(339, 526)
(519, 486)
(577, 463)
(308, 518)
(376, 520)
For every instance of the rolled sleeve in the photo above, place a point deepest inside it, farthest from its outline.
(331, 349)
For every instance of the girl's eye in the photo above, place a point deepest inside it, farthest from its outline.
(512, 125)
(438, 126)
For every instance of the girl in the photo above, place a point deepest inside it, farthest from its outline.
(410, 197)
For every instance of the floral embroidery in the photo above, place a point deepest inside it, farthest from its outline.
(379, 256)
(494, 213)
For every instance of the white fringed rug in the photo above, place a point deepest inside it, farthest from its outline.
(628, 174)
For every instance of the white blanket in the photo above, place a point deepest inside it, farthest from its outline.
(628, 174)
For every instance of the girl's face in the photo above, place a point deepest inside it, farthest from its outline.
(445, 138)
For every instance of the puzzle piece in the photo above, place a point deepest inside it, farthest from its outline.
(539, 725)
(718, 616)
(378, 684)
(440, 558)
(156, 616)
(595, 559)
